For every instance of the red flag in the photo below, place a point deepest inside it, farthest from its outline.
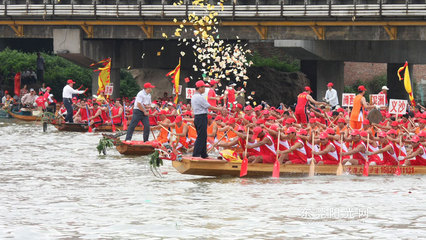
(243, 170)
(175, 80)
(18, 84)
(276, 171)
(365, 172)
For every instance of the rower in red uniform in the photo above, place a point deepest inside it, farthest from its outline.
(241, 142)
(327, 151)
(296, 154)
(419, 152)
(358, 150)
(387, 148)
(267, 152)
(96, 116)
(301, 106)
(117, 112)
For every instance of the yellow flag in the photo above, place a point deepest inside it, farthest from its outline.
(407, 82)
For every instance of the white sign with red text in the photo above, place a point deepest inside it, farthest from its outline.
(378, 100)
(109, 89)
(397, 106)
(348, 99)
(180, 90)
(190, 92)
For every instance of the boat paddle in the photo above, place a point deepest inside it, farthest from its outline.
(398, 170)
(339, 170)
(243, 170)
(110, 117)
(312, 165)
(88, 121)
(276, 171)
(124, 117)
(366, 164)
(220, 139)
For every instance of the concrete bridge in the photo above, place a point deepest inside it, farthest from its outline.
(322, 33)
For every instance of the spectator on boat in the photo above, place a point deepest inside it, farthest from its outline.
(43, 88)
(3, 100)
(23, 91)
(28, 99)
(140, 112)
(331, 96)
(67, 93)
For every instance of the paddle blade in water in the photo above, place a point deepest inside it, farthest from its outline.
(90, 129)
(276, 171)
(113, 128)
(365, 171)
(312, 168)
(243, 170)
(339, 170)
(398, 171)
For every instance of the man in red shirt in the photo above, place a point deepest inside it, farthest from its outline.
(211, 97)
(301, 106)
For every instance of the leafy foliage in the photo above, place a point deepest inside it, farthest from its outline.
(128, 85)
(284, 65)
(104, 143)
(58, 71)
(155, 159)
(374, 86)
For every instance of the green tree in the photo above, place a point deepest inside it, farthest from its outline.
(58, 71)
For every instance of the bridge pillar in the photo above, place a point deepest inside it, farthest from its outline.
(396, 87)
(115, 79)
(322, 72)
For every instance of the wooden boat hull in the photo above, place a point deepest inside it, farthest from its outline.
(213, 167)
(81, 127)
(139, 150)
(108, 128)
(23, 117)
(72, 127)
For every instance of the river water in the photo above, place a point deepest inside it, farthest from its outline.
(54, 185)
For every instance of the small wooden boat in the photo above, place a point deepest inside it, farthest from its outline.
(135, 148)
(138, 148)
(26, 115)
(215, 167)
(83, 127)
(71, 127)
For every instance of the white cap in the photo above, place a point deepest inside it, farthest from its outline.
(385, 88)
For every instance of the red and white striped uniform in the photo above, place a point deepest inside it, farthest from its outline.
(299, 155)
(388, 157)
(360, 156)
(330, 157)
(268, 152)
(420, 159)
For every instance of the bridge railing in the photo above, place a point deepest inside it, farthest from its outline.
(234, 11)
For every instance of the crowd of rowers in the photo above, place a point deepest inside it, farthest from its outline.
(326, 137)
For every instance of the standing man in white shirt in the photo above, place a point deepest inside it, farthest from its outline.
(140, 112)
(200, 106)
(67, 93)
(331, 96)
